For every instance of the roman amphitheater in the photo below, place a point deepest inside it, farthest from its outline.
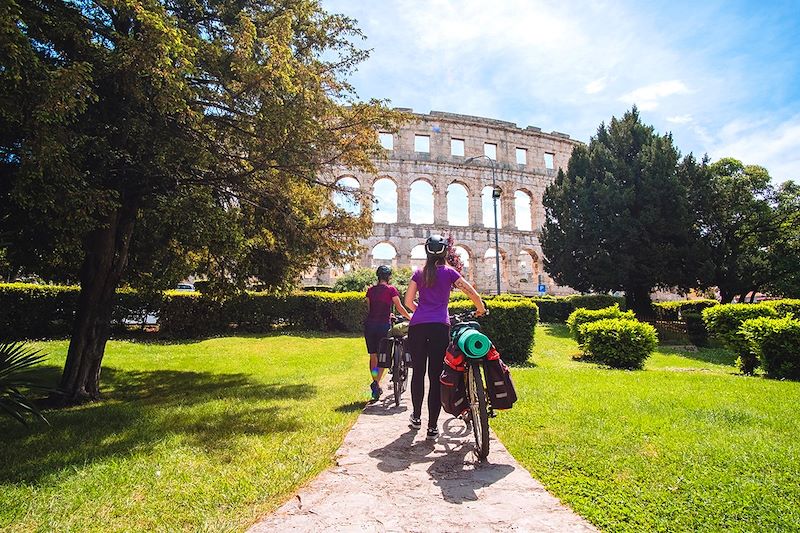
(437, 178)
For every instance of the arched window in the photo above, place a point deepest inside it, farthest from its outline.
(347, 198)
(527, 268)
(462, 253)
(487, 205)
(418, 256)
(385, 207)
(490, 268)
(421, 202)
(457, 205)
(522, 210)
(384, 254)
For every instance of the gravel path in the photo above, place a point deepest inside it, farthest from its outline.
(389, 478)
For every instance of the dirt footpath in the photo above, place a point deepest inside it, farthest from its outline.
(389, 478)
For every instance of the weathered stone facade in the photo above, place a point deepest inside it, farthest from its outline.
(404, 166)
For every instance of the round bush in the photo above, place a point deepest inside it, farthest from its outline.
(774, 344)
(582, 316)
(618, 343)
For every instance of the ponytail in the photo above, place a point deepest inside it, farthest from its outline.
(429, 272)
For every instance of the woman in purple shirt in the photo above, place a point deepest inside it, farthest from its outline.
(429, 331)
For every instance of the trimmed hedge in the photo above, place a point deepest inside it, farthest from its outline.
(618, 342)
(784, 307)
(775, 342)
(676, 310)
(510, 325)
(579, 317)
(723, 323)
(30, 311)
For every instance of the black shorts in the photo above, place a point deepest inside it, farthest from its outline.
(373, 333)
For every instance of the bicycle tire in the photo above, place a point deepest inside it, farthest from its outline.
(478, 408)
(398, 380)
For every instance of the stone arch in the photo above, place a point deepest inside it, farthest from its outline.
(523, 212)
(457, 204)
(384, 253)
(422, 204)
(468, 260)
(489, 283)
(384, 191)
(346, 197)
(418, 256)
(487, 206)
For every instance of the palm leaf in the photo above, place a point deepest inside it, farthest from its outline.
(15, 360)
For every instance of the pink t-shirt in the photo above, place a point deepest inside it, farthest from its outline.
(433, 300)
(380, 303)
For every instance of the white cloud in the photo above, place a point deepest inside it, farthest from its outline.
(648, 97)
(680, 119)
(773, 145)
(596, 86)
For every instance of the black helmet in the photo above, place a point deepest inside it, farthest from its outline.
(384, 272)
(436, 245)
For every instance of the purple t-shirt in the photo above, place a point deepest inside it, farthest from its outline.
(433, 300)
(380, 303)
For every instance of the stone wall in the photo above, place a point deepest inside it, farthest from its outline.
(404, 166)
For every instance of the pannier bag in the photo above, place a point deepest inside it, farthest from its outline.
(399, 330)
(384, 357)
(498, 384)
(453, 391)
(454, 358)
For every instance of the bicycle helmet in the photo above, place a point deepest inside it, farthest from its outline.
(436, 245)
(383, 272)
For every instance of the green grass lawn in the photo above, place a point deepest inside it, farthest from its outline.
(209, 435)
(191, 436)
(685, 445)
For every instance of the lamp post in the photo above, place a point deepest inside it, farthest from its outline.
(495, 195)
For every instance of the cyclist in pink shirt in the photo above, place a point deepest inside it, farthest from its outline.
(380, 298)
(429, 331)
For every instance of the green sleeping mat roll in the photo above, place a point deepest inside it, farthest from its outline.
(474, 343)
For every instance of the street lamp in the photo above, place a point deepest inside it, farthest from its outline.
(495, 196)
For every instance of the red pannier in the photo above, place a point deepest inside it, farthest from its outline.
(453, 391)
(498, 384)
(454, 358)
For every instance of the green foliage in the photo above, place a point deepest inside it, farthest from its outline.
(29, 311)
(618, 342)
(581, 316)
(594, 301)
(510, 325)
(619, 218)
(784, 307)
(723, 323)
(361, 279)
(775, 342)
(784, 243)
(695, 328)
(675, 310)
(15, 360)
(732, 206)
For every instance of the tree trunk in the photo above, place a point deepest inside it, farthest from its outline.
(638, 300)
(105, 260)
(725, 295)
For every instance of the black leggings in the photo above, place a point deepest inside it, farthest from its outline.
(427, 344)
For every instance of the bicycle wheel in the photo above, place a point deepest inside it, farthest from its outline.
(477, 405)
(398, 378)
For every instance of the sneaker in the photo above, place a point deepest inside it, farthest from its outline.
(414, 422)
(433, 433)
(376, 391)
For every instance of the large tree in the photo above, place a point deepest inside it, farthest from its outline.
(141, 140)
(618, 219)
(732, 210)
(784, 247)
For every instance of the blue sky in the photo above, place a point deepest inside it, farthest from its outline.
(723, 77)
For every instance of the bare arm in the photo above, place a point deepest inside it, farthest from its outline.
(411, 293)
(399, 306)
(470, 291)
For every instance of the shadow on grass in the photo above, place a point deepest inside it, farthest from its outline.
(207, 411)
(351, 407)
(717, 356)
(560, 331)
(154, 337)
